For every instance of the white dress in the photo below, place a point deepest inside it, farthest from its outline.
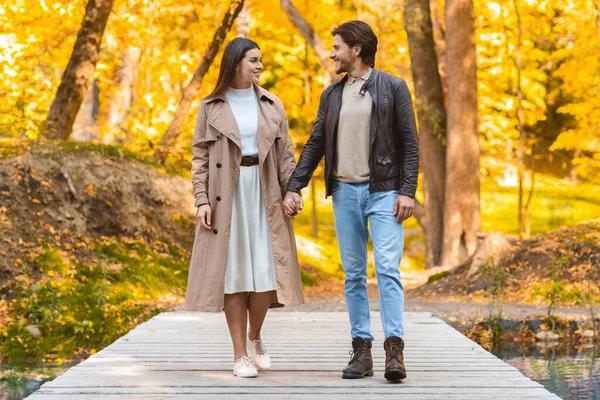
(250, 266)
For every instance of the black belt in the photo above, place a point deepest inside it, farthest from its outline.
(248, 161)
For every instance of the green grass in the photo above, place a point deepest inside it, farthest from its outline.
(555, 203)
(10, 147)
(81, 307)
(438, 276)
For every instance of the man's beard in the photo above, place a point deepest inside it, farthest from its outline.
(341, 68)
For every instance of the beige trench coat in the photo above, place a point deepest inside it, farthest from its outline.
(215, 165)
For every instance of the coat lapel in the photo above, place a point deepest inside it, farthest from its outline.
(268, 128)
(269, 119)
(224, 121)
(268, 123)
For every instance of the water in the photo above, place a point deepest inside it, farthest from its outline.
(18, 388)
(572, 373)
(17, 383)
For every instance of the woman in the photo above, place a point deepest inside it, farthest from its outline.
(244, 257)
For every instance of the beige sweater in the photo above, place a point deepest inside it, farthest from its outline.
(352, 157)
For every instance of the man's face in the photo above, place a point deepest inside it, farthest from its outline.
(343, 55)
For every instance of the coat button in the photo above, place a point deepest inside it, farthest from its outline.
(218, 137)
(219, 165)
(215, 231)
(218, 198)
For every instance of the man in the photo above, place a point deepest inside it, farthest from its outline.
(365, 128)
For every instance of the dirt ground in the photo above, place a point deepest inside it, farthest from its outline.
(569, 257)
(52, 197)
(447, 308)
(329, 296)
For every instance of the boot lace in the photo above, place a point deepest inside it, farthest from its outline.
(394, 351)
(356, 354)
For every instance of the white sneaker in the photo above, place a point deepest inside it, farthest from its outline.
(244, 368)
(260, 355)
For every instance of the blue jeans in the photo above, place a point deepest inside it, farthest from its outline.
(353, 206)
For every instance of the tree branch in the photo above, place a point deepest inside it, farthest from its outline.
(193, 88)
(311, 37)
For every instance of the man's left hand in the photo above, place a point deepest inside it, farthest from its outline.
(404, 208)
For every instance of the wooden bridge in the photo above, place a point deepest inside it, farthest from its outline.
(183, 355)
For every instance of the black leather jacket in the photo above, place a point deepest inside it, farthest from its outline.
(394, 153)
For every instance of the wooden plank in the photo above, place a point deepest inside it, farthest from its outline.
(80, 378)
(348, 391)
(189, 356)
(464, 395)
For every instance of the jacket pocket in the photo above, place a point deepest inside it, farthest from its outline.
(384, 160)
(385, 168)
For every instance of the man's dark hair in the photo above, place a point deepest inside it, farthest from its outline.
(358, 32)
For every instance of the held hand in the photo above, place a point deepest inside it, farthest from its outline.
(203, 215)
(404, 208)
(292, 204)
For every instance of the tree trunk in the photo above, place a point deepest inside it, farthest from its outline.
(431, 114)
(492, 247)
(193, 88)
(85, 127)
(420, 216)
(309, 34)
(313, 186)
(461, 207)
(314, 220)
(439, 37)
(125, 78)
(79, 74)
(522, 134)
(521, 149)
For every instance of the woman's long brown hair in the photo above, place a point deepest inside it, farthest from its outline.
(233, 54)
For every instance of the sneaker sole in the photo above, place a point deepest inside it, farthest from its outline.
(395, 375)
(245, 376)
(357, 376)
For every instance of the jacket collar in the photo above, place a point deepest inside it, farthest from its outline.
(261, 93)
(339, 85)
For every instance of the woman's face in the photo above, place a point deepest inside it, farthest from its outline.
(248, 70)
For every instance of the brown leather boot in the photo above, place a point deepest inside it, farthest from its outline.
(361, 361)
(394, 359)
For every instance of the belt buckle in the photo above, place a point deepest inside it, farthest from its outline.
(248, 161)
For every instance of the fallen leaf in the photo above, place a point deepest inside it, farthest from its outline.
(91, 191)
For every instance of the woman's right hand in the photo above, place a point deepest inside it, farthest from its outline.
(204, 215)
